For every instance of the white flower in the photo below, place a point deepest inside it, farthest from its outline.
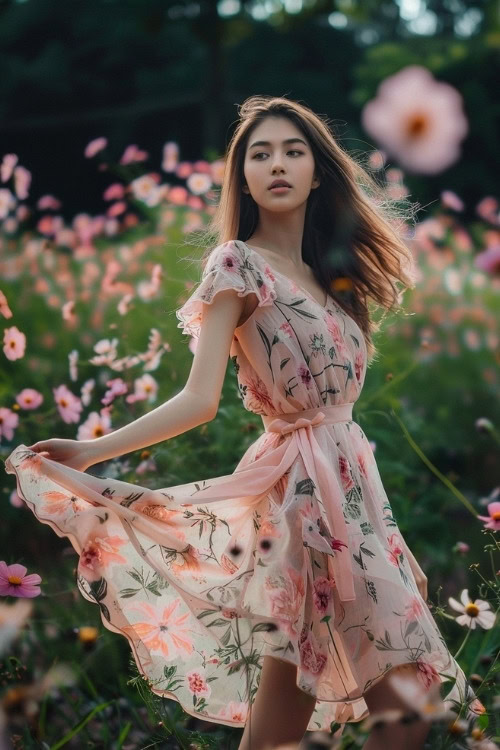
(473, 611)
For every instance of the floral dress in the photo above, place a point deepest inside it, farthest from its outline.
(204, 579)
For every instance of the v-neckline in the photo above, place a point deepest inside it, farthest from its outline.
(287, 278)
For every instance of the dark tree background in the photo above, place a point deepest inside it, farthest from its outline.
(148, 71)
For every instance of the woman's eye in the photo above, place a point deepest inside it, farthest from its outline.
(293, 151)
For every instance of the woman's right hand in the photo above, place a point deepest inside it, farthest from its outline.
(77, 454)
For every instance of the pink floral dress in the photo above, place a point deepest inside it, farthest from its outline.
(206, 578)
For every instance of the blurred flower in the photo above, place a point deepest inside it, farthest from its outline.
(170, 156)
(9, 161)
(15, 582)
(16, 500)
(487, 209)
(92, 148)
(493, 520)
(22, 182)
(116, 209)
(4, 306)
(86, 391)
(7, 201)
(69, 406)
(199, 183)
(489, 260)
(145, 387)
(483, 425)
(87, 634)
(473, 611)
(48, 202)
(29, 398)
(461, 547)
(12, 619)
(116, 191)
(426, 701)
(417, 120)
(451, 200)
(132, 154)
(94, 426)
(8, 421)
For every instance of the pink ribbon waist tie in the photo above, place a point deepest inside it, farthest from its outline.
(329, 493)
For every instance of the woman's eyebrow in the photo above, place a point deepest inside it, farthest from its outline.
(287, 140)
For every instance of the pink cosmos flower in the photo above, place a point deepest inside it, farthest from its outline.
(493, 520)
(487, 209)
(15, 582)
(451, 200)
(69, 406)
(14, 343)
(417, 120)
(48, 202)
(116, 191)
(94, 426)
(29, 398)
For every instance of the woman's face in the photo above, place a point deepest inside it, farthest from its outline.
(275, 159)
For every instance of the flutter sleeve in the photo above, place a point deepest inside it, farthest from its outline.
(229, 266)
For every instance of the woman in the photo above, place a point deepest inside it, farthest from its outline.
(286, 587)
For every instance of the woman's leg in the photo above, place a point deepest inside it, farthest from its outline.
(280, 712)
(396, 735)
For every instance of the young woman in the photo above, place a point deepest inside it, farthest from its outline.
(285, 587)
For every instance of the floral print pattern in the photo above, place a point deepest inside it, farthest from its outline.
(205, 579)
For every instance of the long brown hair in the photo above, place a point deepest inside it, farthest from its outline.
(351, 237)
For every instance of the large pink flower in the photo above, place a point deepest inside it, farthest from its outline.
(417, 120)
(163, 630)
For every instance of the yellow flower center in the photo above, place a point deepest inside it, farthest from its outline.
(496, 516)
(472, 610)
(15, 579)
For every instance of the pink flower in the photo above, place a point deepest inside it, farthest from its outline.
(170, 156)
(132, 154)
(451, 200)
(4, 306)
(489, 260)
(310, 657)
(427, 674)
(345, 473)
(14, 343)
(22, 182)
(396, 549)
(48, 202)
(493, 520)
(116, 191)
(101, 551)
(487, 209)
(9, 161)
(8, 421)
(197, 683)
(92, 148)
(414, 609)
(116, 209)
(68, 405)
(15, 582)
(28, 398)
(322, 593)
(417, 120)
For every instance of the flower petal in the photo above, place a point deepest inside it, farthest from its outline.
(456, 605)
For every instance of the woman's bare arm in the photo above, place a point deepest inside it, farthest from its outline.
(198, 402)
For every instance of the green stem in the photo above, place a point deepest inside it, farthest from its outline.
(463, 644)
(434, 469)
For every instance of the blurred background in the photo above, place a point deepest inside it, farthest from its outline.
(114, 120)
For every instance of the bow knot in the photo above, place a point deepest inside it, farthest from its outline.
(284, 427)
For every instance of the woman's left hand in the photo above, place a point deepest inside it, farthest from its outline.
(73, 453)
